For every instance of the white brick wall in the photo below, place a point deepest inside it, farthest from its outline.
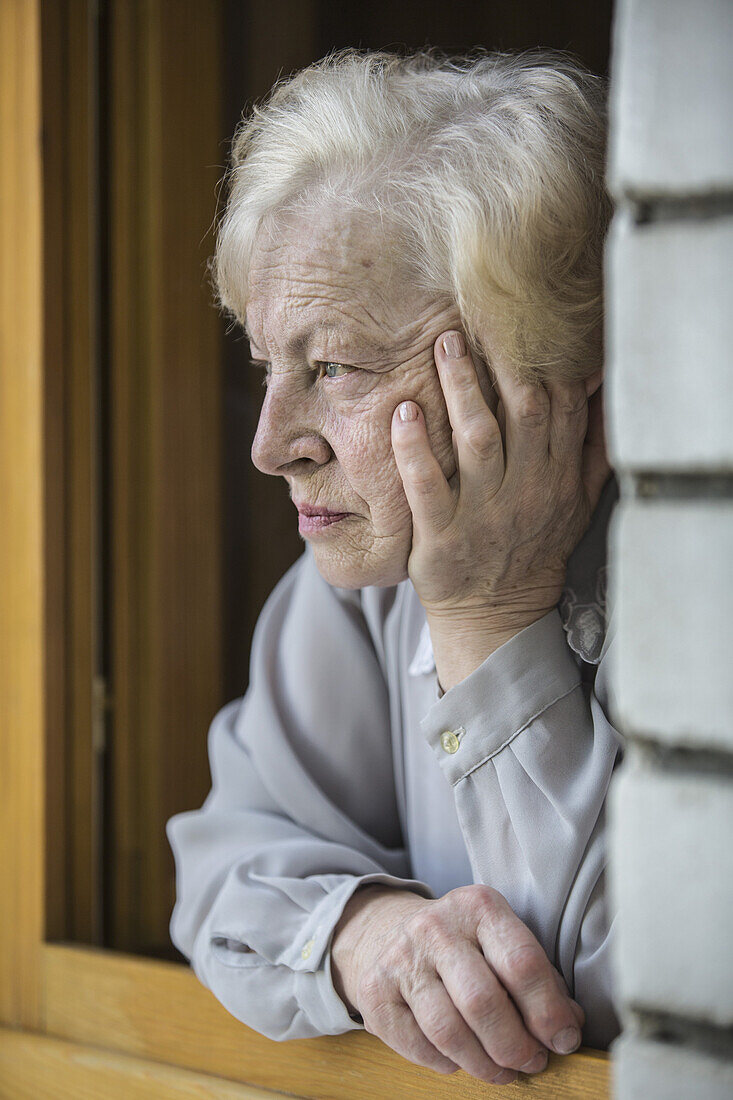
(670, 334)
(672, 97)
(669, 404)
(672, 866)
(673, 594)
(644, 1069)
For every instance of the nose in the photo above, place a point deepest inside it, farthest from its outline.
(287, 439)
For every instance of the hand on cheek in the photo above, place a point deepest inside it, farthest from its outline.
(490, 548)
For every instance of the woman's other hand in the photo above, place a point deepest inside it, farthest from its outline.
(453, 983)
(490, 547)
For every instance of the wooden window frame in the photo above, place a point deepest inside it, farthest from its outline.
(94, 1021)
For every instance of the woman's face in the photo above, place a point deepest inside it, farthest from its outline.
(346, 337)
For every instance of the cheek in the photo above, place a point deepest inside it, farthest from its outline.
(364, 452)
(362, 444)
(439, 430)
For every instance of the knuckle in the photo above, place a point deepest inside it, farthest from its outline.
(415, 470)
(445, 1035)
(527, 965)
(486, 905)
(482, 437)
(533, 411)
(428, 928)
(487, 894)
(573, 404)
(421, 479)
(480, 1003)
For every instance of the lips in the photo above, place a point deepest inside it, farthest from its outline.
(313, 518)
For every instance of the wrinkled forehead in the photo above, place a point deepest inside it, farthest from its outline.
(327, 260)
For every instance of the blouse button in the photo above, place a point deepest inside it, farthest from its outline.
(305, 953)
(449, 741)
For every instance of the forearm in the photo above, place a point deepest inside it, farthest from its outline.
(463, 636)
(258, 896)
(531, 763)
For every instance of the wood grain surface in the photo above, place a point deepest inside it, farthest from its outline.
(22, 626)
(36, 1068)
(157, 1010)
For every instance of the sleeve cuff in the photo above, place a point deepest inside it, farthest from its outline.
(314, 987)
(517, 682)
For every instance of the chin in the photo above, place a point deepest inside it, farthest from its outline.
(359, 572)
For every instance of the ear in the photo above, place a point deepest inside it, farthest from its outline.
(593, 382)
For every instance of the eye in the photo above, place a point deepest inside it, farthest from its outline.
(335, 370)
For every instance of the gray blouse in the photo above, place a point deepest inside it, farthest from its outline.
(344, 764)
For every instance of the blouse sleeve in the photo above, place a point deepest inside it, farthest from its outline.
(290, 829)
(530, 763)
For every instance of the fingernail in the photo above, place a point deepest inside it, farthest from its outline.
(565, 1042)
(454, 345)
(536, 1064)
(504, 1078)
(408, 411)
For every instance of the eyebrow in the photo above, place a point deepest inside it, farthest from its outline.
(301, 340)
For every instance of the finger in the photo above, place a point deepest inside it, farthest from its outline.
(488, 1010)
(578, 1012)
(394, 1023)
(445, 1027)
(527, 415)
(563, 987)
(526, 973)
(595, 467)
(478, 438)
(428, 493)
(568, 423)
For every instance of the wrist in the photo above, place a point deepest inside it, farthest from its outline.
(348, 945)
(461, 643)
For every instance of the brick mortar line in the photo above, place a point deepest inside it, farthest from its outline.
(656, 209)
(697, 762)
(648, 485)
(680, 1031)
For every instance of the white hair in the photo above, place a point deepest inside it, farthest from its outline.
(490, 167)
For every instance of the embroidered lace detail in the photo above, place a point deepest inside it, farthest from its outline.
(585, 620)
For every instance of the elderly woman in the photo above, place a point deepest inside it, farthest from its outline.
(406, 826)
